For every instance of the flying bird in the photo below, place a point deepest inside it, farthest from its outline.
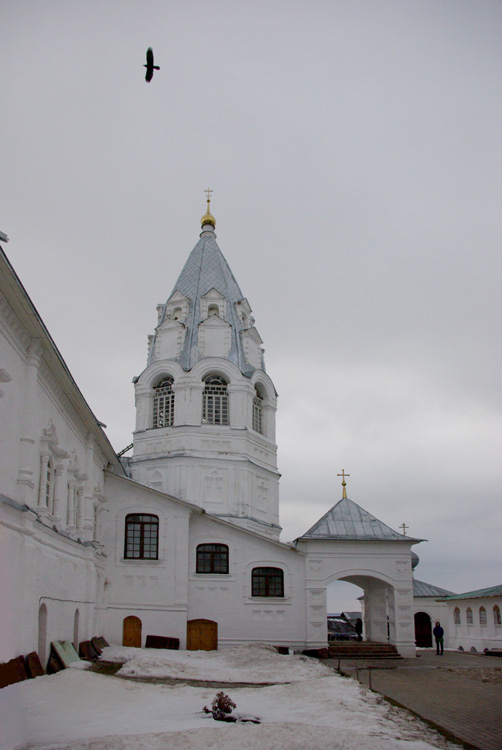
(150, 67)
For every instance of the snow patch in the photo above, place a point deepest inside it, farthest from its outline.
(82, 710)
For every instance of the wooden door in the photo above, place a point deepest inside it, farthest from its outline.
(132, 632)
(202, 635)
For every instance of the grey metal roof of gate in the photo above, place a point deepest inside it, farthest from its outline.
(347, 520)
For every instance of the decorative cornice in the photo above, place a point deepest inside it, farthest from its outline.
(17, 331)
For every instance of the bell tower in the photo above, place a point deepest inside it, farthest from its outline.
(205, 407)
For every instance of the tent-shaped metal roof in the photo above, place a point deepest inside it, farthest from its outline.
(207, 269)
(347, 520)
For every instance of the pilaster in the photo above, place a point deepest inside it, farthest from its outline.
(28, 465)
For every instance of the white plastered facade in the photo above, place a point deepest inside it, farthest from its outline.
(475, 622)
(66, 498)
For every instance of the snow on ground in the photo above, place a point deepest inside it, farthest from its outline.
(319, 710)
(254, 663)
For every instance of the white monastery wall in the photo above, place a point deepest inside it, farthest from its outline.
(45, 572)
(51, 483)
(227, 598)
(438, 612)
(167, 592)
(49, 458)
(156, 591)
(476, 635)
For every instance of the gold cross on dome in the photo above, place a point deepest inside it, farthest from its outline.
(404, 527)
(344, 483)
(208, 194)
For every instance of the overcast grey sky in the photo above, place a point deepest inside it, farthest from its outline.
(354, 149)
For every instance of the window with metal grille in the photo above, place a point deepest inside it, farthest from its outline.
(215, 400)
(141, 537)
(212, 558)
(469, 616)
(482, 616)
(258, 412)
(456, 616)
(267, 582)
(497, 620)
(163, 403)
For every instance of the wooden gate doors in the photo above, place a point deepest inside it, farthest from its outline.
(202, 635)
(132, 632)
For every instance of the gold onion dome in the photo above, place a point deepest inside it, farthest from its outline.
(208, 217)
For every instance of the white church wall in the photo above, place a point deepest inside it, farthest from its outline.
(227, 598)
(437, 611)
(472, 633)
(156, 591)
(46, 569)
(46, 433)
(51, 457)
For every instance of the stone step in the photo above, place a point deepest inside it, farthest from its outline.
(353, 650)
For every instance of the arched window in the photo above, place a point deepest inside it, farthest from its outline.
(258, 412)
(496, 615)
(469, 616)
(141, 537)
(456, 616)
(482, 616)
(213, 310)
(177, 313)
(215, 400)
(267, 582)
(212, 558)
(163, 403)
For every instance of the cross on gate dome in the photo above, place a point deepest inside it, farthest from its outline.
(208, 217)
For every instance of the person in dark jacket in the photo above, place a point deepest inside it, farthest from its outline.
(359, 629)
(438, 633)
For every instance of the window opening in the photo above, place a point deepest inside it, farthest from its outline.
(258, 412)
(482, 616)
(212, 558)
(42, 632)
(456, 616)
(163, 403)
(215, 400)
(469, 616)
(141, 537)
(267, 582)
(213, 310)
(497, 620)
